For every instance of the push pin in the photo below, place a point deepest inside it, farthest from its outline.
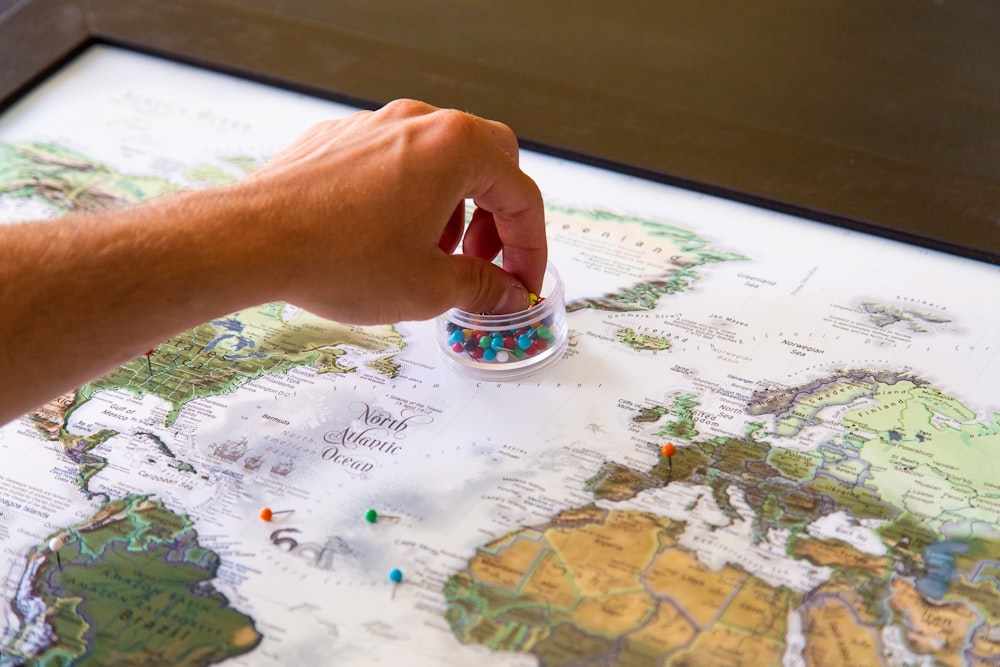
(669, 450)
(55, 544)
(396, 577)
(267, 514)
(149, 363)
(371, 516)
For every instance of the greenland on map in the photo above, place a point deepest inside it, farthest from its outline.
(832, 399)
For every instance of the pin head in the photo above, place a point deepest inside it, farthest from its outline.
(267, 513)
(57, 543)
(668, 450)
(371, 516)
(396, 575)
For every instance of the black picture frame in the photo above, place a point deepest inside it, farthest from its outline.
(804, 175)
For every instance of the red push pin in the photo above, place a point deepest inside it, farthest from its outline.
(267, 514)
(668, 451)
(149, 353)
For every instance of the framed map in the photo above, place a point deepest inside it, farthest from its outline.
(830, 396)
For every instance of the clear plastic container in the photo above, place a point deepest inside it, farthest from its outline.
(507, 347)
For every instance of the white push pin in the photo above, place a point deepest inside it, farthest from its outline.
(55, 544)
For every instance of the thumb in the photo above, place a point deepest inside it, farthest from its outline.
(484, 287)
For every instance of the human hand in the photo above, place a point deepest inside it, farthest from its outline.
(361, 216)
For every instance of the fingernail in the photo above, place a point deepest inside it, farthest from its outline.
(514, 299)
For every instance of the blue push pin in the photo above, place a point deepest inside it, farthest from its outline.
(396, 577)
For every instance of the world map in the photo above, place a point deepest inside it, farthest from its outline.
(832, 498)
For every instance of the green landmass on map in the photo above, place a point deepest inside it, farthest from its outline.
(591, 586)
(130, 586)
(212, 359)
(68, 181)
(641, 341)
(219, 356)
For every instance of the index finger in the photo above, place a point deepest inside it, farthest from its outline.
(499, 186)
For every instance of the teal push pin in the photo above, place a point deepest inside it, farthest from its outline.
(396, 577)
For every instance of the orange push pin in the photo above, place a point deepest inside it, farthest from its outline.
(668, 451)
(267, 514)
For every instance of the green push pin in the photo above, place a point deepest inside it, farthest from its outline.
(371, 516)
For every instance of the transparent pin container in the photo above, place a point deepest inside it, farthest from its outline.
(507, 347)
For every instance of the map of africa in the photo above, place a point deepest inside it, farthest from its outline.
(831, 398)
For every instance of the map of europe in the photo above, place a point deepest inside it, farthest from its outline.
(831, 496)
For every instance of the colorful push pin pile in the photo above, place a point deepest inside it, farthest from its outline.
(500, 347)
(668, 451)
(267, 513)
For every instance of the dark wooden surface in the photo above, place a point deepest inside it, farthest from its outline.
(882, 116)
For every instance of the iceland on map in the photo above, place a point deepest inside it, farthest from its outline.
(833, 402)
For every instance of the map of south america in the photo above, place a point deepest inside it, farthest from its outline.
(131, 586)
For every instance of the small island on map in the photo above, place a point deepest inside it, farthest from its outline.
(918, 321)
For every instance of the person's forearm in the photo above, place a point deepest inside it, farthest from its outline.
(83, 294)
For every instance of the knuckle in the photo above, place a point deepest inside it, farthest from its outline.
(504, 130)
(451, 128)
(453, 120)
(406, 107)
